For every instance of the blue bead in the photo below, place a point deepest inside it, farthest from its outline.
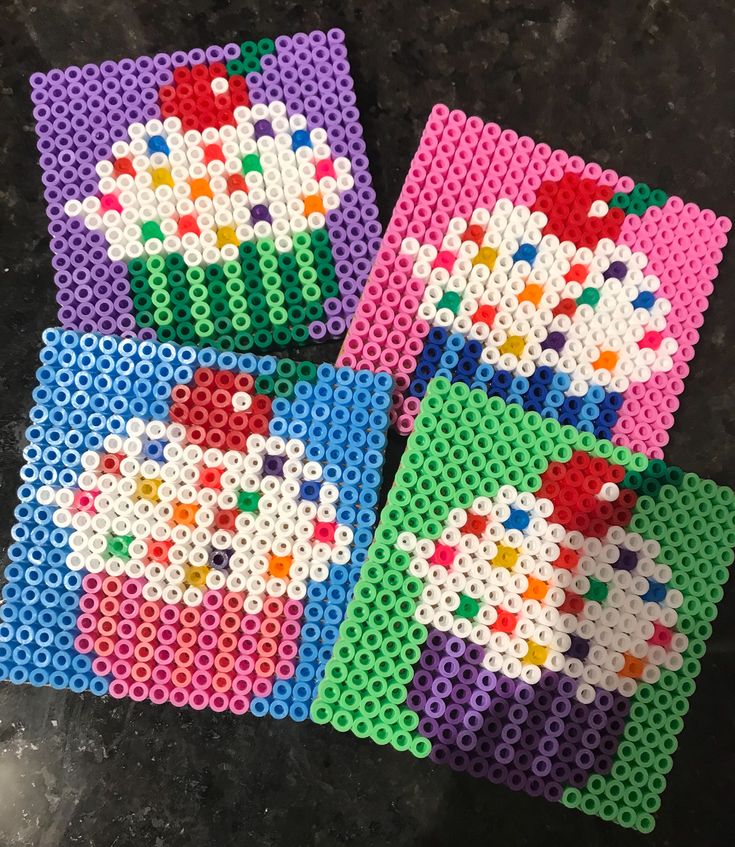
(525, 253)
(259, 707)
(518, 519)
(656, 592)
(644, 300)
(300, 138)
(157, 144)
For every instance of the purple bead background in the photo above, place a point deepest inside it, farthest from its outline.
(80, 112)
(533, 738)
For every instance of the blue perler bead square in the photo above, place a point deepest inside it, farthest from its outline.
(122, 430)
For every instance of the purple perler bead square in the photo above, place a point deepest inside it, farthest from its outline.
(218, 197)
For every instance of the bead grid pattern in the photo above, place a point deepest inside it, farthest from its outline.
(219, 197)
(534, 607)
(540, 279)
(191, 522)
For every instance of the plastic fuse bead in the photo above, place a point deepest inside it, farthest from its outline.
(534, 607)
(219, 197)
(190, 524)
(540, 279)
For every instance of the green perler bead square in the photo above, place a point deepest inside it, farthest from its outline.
(534, 607)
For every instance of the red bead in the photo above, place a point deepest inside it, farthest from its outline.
(474, 524)
(568, 559)
(572, 605)
(236, 182)
(505, 622)
(225, 519)
(193, 101)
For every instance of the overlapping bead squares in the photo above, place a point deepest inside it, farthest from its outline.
(539, 278)
(534, 607)
(191, 522)
(218, 197)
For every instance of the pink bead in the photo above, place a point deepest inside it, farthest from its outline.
(178, 697)
(159, 693)
(118, 689)
(110, 202)
(84, 643)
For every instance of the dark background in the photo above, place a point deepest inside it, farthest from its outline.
(644, 87)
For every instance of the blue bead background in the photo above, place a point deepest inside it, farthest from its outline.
(89, 386)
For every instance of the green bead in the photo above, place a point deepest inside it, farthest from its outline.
(265, 46)
(589, 297)
(251, 164)
(450, 300)
(247, 501)
(597, 591)
(468, 607)
(118, 545)
(151, 229)
(235, 67)
(155, 264)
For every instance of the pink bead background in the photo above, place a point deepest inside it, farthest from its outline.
(463, 163)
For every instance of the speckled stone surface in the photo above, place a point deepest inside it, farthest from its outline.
(645, 87)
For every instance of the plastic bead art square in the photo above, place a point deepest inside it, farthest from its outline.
(539, 278)
(218, 197)
(190, 522)
(534, 607)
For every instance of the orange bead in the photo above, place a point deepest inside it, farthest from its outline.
(313, 203)
(531, 293)
(185, 513)
(632, 667)
(606, 360)
(280, 566)
(536, 590)
(200, 188)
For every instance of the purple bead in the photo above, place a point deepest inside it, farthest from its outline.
(260, 212)
(627, 560)
(579, 648)
(263, 129)
(220, 559)
(554, 341)
(617, 270)
(273, 465)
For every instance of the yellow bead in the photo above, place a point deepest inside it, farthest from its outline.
(162, 176)
(513, 344)
(226, 235)
(506, 557)
(536, 654)
(486, 256)
(147, 489)
(196, 575)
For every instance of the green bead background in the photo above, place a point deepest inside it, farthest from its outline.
(464, 445)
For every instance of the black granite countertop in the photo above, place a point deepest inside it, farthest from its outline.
(644, 87)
